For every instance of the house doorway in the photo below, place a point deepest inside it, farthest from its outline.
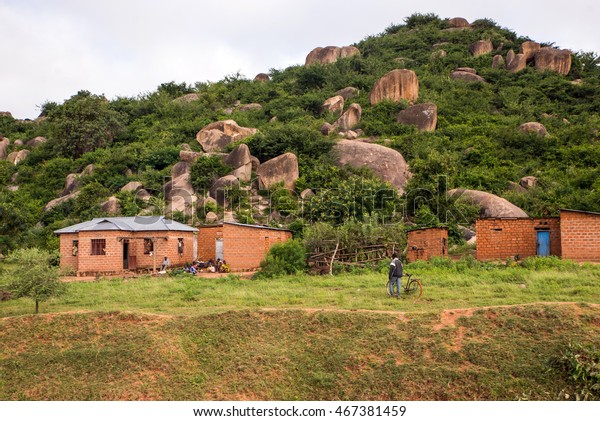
(219, 248)
(543, 243)
(125, 254)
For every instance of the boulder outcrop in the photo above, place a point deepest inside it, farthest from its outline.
(424, 116)
(55, 202)
(518, 63)
(334, 105)
(4, 142)
(187, 98)
(348, 92)
(529, 49)
(71, 184)
(498, 62)
(491, 206)
(241, 162)
(510, 56)
(396, 85)
(132, 186)
(386, 163)
(17, 156)
(459, 23)
(111, 206)
(219, 188)
(262, 77)
(216, 136)
(283, 168)
(466, 76)
(528, 182)
(254, 106)
(350, 118)
(479, 48)
(180, 169)
(32, 143)
(189, 155)
(534, 127)
(331, 54)
(553, 59)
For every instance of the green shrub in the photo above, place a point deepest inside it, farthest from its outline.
(206, 170)
(550, 262)
(580, 366)
(287, 258)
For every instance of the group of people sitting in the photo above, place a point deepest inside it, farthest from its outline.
(210, 266)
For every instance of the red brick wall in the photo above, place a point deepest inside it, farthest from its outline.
(580, 238)
(166, 244)
(67, 260)
(502, 238)
(244, 247)
(426, 243)
(206, 242)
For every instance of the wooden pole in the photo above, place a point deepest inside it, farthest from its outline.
(154, 255)
(333, 258)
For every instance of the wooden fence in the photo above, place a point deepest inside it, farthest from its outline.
(359, 256)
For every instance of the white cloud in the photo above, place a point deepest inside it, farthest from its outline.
(54, 48)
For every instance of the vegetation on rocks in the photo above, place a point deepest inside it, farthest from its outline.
(476, 143)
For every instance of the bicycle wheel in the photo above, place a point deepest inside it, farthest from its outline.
(414, 288)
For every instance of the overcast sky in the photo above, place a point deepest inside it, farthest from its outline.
(50, 49)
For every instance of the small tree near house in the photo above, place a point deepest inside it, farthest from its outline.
(32, 275)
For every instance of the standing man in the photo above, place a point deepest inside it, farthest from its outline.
(395, 275)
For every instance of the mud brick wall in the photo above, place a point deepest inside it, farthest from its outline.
(165, 244)
(503, 238)
(580, 238)
(425, 243)
(244, 247)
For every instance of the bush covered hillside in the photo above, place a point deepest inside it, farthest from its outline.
(84, 151)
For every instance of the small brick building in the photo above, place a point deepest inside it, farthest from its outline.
(424, 243)
(503, 238)
(242, 246)
(116, 245)
(574, 235)
(580, 235)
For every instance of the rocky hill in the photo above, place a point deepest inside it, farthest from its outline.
(380, 129)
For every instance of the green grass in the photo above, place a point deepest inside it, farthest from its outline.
(484, 333)
(443, 288)
(489, 354)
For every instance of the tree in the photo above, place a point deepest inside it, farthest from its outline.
(32, 275)
(83, 123)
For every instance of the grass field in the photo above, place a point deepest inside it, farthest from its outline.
(476, 334)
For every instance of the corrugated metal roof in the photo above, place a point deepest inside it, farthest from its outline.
(579, 211)
(129, 223)
(257, 226)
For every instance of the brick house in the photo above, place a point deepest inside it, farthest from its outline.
(424, 243)
(574, 235)
(580, 235)
(242, 246)
(116, 245)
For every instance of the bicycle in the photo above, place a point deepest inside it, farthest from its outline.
(412, 287)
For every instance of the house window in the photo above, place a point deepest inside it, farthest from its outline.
(180, 246)
(75, 248)
(99, 247)
(148, 246)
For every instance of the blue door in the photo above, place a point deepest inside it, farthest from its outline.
(543, 243)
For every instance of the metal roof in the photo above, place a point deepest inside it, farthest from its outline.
(578, 211)
(220, 224)
(129, 223)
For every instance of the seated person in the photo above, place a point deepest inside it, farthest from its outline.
(165, 264)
